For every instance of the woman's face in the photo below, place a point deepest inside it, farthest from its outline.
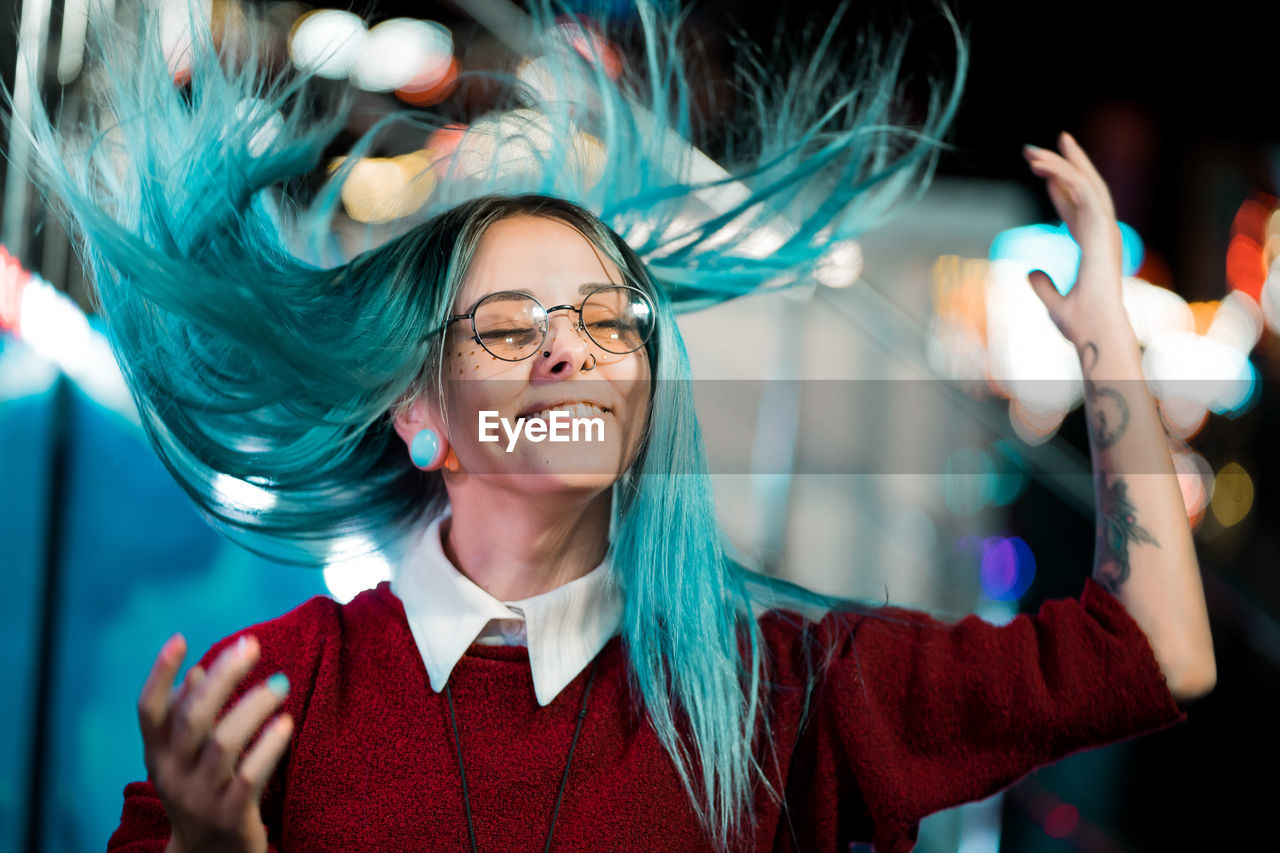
(557, 265)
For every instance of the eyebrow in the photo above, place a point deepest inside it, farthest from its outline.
(583, 289)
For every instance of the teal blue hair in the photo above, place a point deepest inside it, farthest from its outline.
(259, 356)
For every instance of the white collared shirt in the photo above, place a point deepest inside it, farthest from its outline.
(564, 628)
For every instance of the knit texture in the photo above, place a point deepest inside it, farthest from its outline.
(914, 715)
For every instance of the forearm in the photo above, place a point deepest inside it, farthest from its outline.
(1144, 553)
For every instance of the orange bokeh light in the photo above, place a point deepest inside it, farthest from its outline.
(433, 90)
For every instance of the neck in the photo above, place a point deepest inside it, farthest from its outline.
(539, 544)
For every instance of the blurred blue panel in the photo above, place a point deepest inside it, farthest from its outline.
(24, 459)
(139, 564)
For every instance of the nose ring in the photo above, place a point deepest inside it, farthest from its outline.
(593, 363)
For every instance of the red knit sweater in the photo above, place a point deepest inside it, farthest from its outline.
(914, 716)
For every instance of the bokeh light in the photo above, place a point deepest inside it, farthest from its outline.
(1246, 257)
(1061, 821)
(1195, 480)
(1010, 478)
(1232, 494)
(383, 189)
(1200, 369)
(969, 480)
(1051, 248)
(402, 52)
(1152, 310)
(427, 89)
(591, 46)
(1008, 568)
(354, 565)
(327, 42)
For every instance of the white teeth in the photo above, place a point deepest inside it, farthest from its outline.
(576, 410)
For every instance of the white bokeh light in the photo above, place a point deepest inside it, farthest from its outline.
(1152, 310)
(354, 565)
(400, 51)
(1200, 370)
(328, 42)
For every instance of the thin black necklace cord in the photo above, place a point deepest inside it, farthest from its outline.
(564, 780)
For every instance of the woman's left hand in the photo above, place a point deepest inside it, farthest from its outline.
(1082, 200)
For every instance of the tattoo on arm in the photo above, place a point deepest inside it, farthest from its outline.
(1118, 528)
(1110, 412)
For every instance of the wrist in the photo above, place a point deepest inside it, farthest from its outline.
(1109, 340)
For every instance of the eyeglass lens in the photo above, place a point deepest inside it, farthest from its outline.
(512, 326)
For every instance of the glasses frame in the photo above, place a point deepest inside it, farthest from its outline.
(579, 325)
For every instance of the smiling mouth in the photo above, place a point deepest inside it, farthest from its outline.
(574, 410)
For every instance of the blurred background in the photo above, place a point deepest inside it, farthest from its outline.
(923, 344)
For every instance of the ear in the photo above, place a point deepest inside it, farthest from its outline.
(416, 416)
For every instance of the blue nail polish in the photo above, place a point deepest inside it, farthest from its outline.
(278, 684)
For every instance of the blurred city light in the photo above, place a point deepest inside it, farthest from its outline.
(1246, 257)
(1008, 568)
(1199, 369)
(1051, 248)
(591, 45)
(429, 88)
(403, 52)
(1232, 494)
(327, 42)
(1061, 821)
(988, 324)
(383, 189)
(354, 565)
(1152, 310)
(1195, 480)
(55, 328)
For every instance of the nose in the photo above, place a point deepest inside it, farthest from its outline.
(567, 349)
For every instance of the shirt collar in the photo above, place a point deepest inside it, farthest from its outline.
(566, 627)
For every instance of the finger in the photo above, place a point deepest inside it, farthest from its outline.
(154, 700)
(1058, 167)
(260, 762)
(1045, 289)
(1072, 150)
(231, 734)
(193, 679)
(194, 718)
(1064, 199)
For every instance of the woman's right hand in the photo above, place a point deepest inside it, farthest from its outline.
(210, 794)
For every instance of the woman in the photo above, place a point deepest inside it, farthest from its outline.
(567, 656)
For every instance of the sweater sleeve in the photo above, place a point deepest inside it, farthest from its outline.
(929, 715)
(294, 644)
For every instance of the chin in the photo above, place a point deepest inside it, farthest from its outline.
(559, 468)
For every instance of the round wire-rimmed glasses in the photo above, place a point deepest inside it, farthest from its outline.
(512, 325)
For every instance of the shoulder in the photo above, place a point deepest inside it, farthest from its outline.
(319, 627)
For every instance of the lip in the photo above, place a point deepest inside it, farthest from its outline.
(559, 404)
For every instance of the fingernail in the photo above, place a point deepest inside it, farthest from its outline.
(278, 684)
(243, 650)
(1030, 147)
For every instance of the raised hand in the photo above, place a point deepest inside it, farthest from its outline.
(1082, 200)
(210, 793)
